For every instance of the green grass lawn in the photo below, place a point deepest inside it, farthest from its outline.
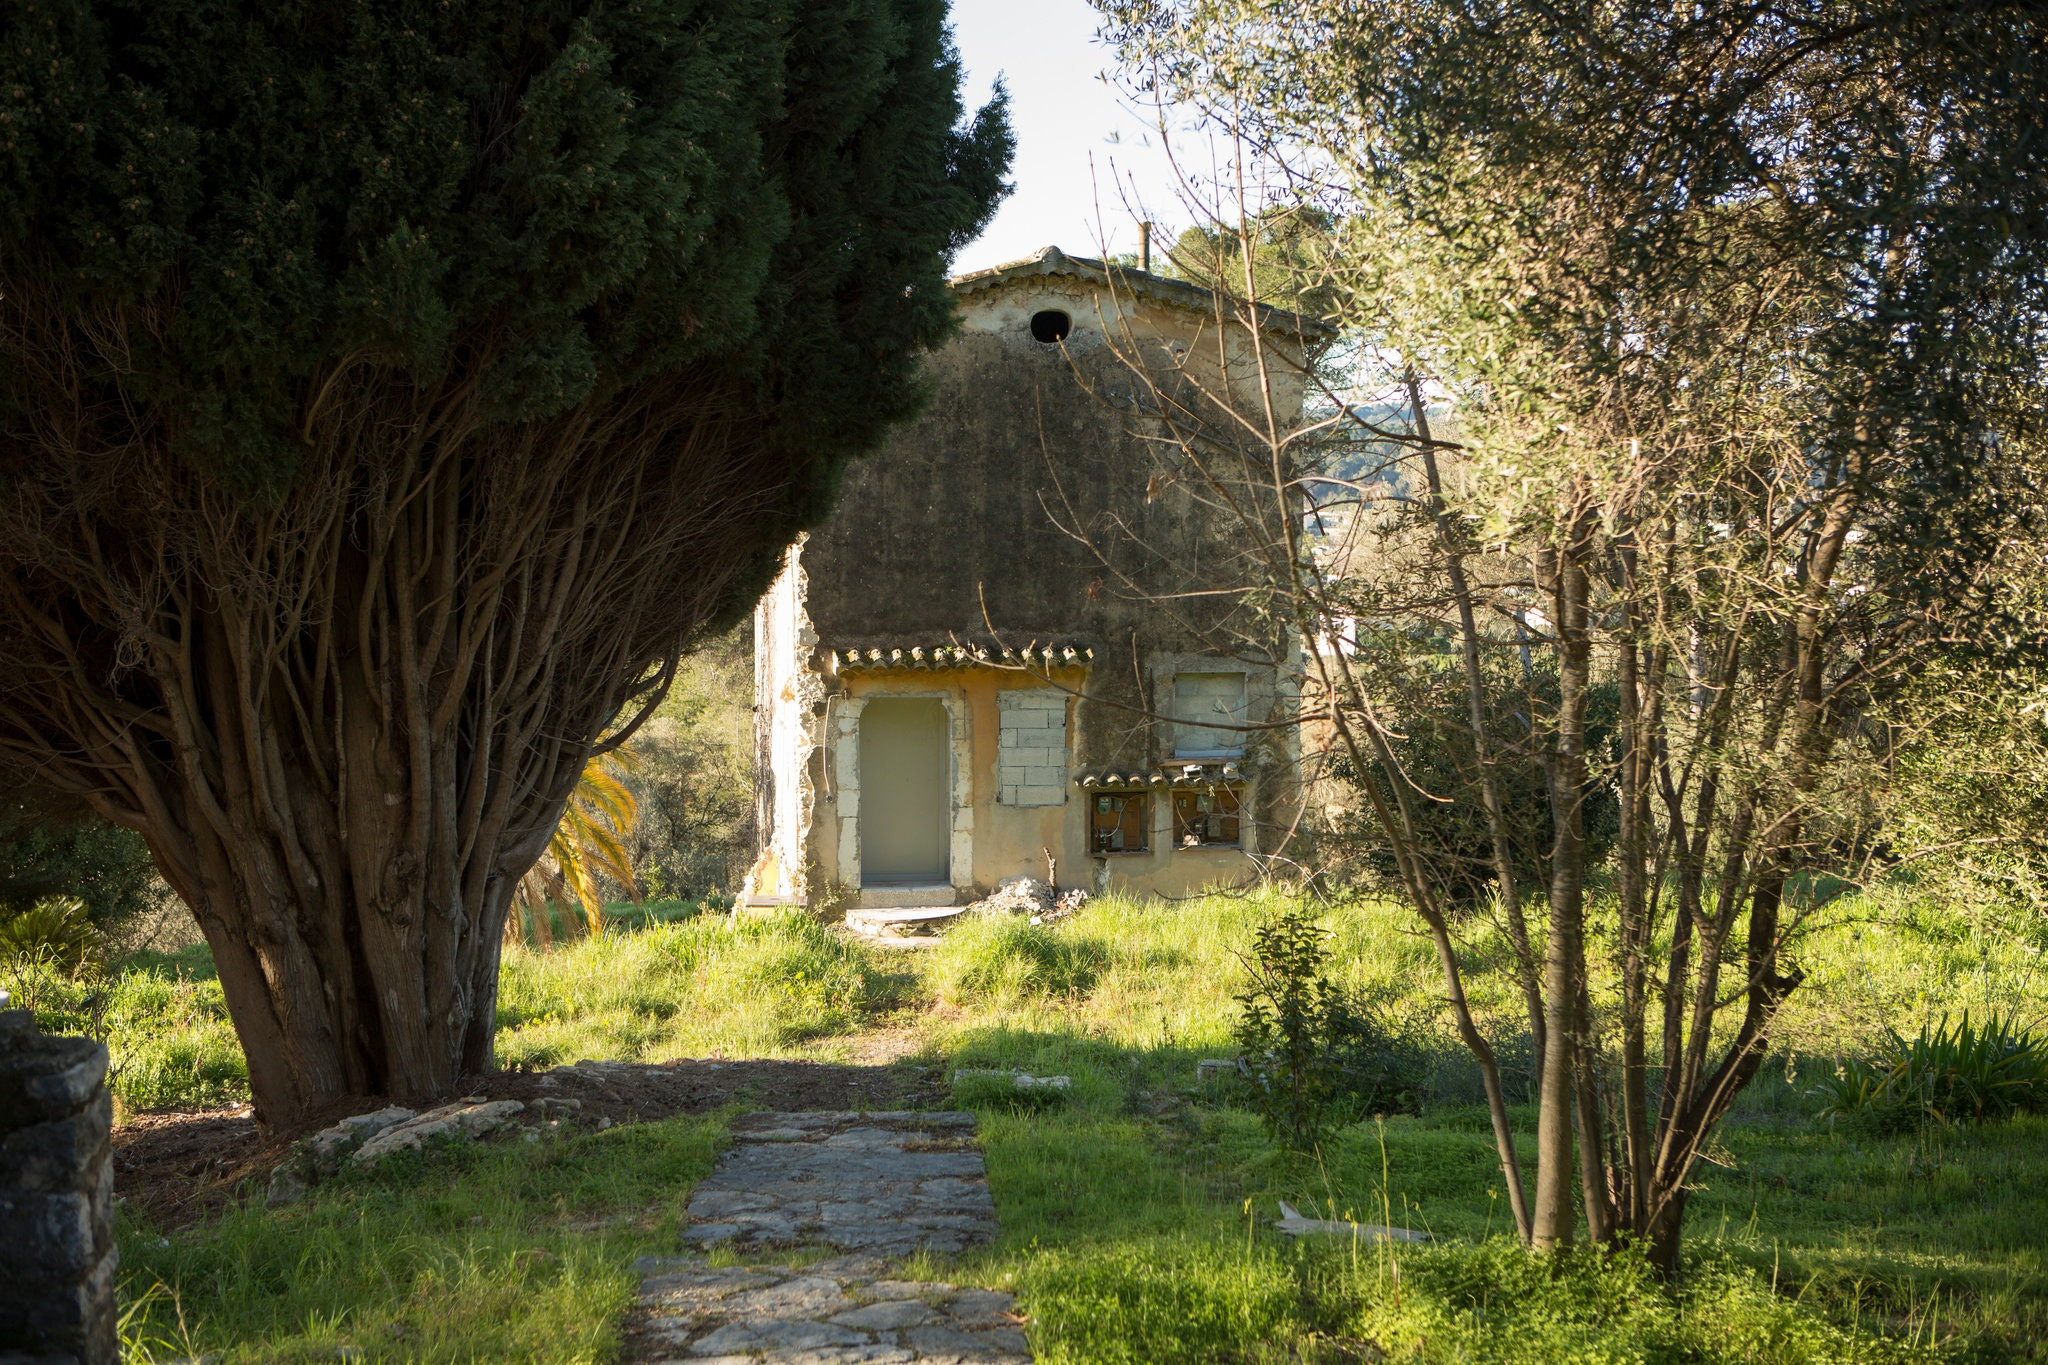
(1134, 1215)
(514, 1253)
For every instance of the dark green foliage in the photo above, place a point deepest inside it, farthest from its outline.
(569, 197)
(403, 387)
(1439, 763)
(55, 934)
(694, 777)
(1312, 1054)
(53, 847)
(1288, 245)
(1947, 1074)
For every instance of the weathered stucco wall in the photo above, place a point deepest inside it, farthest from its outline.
(963, 526)
(1029, 503)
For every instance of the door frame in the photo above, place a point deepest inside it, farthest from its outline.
(960, 781)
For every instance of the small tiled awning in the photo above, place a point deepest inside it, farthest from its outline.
(1167, 776)
(947, 654)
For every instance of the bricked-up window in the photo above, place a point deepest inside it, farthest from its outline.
(1031, 754)
(1117, 823)
(1207, 818)
(1207, 708)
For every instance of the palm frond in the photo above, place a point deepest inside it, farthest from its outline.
(590, 840)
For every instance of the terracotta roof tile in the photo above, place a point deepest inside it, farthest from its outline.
(937, 654)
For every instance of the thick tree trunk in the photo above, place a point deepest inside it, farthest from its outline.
(347, 720)
(371, 968)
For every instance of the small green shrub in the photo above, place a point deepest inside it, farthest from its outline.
(1946, 1074)
(1003, 957)
(46, 947)
(1314, 1053)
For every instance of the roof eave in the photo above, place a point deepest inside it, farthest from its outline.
(1177, 293)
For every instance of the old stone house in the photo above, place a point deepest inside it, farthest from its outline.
(986, 658)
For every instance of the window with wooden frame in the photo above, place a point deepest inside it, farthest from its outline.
(1117, 822)
(1207, 817)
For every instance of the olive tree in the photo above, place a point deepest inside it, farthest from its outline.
(1742, 312)
(388, 394)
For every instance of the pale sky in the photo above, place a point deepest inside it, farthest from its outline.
(1063, 112)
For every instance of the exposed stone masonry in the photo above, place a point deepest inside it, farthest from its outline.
(57, 1256)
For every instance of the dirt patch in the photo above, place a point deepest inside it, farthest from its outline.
(179, 1167)
(176, 1166)
(627, 1092)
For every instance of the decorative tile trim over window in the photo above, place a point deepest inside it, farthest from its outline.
(1031, 760)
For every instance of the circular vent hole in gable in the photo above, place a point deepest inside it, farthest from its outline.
(1050, 326)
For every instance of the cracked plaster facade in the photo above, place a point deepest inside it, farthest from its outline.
(947, 548)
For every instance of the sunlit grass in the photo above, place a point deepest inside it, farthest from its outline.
(509, 1253)
(713, 985)
(1134, 1213)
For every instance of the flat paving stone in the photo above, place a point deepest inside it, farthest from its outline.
(874, 1187)
(884, 1183)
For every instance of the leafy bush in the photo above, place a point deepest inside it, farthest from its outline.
(1944, 1075)
(54, 936)
(56, 846)
(1437, 756)
(695, 777)
(1316, 1053)
(1003, 957)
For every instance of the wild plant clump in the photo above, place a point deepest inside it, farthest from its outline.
(1315, 1054)
(1946, 1075)
(1006, 958)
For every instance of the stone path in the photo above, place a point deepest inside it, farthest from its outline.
(884, 1183)
(839, 1312)
(872, 1186)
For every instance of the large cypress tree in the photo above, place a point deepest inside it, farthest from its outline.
(389, 389)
